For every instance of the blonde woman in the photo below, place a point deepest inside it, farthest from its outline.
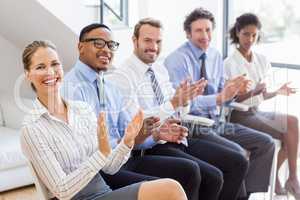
(68, 146)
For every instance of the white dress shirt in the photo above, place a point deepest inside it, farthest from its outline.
(257, 70)
(135, 83)
(66, 155)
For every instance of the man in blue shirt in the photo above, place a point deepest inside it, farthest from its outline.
(196, 59)
(86, 82)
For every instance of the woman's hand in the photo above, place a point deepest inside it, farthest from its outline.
(286, 90)
(133, 129)
(103, 135)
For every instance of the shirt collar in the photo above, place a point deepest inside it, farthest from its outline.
(141, 67)
(239, 55)
(35, 112)
(38, 110)
(195, 50)
(86, 71)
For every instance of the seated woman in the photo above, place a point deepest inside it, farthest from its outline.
(68, 146)
(244, 34)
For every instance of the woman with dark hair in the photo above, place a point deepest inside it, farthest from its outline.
(68, 146)
(245, 34)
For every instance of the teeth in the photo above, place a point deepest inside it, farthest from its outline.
(50, 81)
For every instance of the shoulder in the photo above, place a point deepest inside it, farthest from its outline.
(80, 107)
(261, 58)
(213, 53)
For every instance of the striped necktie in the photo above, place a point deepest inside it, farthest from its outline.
(100, 88)
(155, 86)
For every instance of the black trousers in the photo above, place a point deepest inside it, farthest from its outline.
(151, 167)
(222, 169)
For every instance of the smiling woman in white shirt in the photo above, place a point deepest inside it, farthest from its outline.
(244, 34)
(68, 146)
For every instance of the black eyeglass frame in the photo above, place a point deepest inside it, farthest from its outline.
(112, 45)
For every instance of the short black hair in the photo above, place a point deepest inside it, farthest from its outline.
(198, 13)
(240, 23)
(91, 27)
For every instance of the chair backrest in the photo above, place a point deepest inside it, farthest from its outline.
(42, 191)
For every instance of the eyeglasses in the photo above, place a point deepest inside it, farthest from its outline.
(99, 43)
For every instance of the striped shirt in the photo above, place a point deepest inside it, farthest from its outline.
(66, 155)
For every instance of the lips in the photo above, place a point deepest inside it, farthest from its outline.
(105, 59)
(50, 82)
(152, 53)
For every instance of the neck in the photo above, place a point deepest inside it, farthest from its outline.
(53, 102)
(247, 53)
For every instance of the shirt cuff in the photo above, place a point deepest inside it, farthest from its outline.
(166, 110)
(97, 161)
(147, 144)
(123, 148)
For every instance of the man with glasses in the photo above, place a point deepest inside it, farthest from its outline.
(86, 82)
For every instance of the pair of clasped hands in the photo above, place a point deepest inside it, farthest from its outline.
(169, 130)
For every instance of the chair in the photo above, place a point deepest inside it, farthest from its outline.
(242, 107)
(42, 191)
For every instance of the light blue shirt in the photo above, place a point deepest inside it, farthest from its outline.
(185, 62)
(81, 84)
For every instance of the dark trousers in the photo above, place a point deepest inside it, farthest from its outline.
(151, 167)
(222, 169)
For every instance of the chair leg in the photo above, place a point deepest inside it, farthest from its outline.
(273, 170)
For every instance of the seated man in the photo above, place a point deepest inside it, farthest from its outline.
(84, 82)
(196, 59)
(147, 82)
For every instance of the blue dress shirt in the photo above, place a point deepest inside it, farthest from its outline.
(185, 62)
(80, 84)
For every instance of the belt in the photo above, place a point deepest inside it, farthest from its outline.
(138, 153)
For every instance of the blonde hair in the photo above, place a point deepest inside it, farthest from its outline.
(31, 49)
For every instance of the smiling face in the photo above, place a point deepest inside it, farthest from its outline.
(148, 45)
(201, 33)
(96, 58)
(247, 37)
(45, 71)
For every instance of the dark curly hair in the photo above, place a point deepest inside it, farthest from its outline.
(240, 23)
(198, 13)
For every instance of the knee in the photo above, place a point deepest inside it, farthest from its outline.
(192, 168)
(241, 163)
(161, 189)
(216, 179)
(268, 144)
(174, 190)
(292, 122)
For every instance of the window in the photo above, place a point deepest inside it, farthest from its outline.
(111, 12)
(280, 27)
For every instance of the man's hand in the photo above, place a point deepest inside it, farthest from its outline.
(103, 136)
(133, 129)
(150, 125)
(186, 92)
(171, 131)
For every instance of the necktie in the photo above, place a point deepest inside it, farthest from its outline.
(203, 73)
(100, 87)
(155, 86)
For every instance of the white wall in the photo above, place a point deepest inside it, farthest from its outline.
(62, 20)
(11, 66)
(172, 16)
